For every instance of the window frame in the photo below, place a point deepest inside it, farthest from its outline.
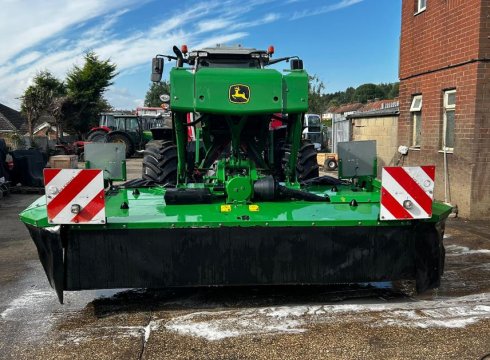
(416, 120)
(416, 117)
(419, 6)
(448, 108)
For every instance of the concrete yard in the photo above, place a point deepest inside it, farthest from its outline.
(378, 321)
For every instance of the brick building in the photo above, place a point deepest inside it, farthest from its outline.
(445, 97)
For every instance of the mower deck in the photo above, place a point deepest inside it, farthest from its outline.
(291, 242)
(148, 210)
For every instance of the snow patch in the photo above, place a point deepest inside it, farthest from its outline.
(454, 250)
(111, 332)
(29, 308)
(218, 325)
(27, 303)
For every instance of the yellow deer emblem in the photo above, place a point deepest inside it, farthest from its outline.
(239, 94)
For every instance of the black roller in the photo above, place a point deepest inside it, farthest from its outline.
(188, 196)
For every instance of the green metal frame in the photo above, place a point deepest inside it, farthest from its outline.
(241, 130)
(146, 209)
(226, 125)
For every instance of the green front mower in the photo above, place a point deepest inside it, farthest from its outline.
(239, 202)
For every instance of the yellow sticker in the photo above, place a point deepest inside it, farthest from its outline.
(253, 208)
(225, 208)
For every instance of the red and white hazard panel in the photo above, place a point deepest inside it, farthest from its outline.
(407, 192)
(74, 196)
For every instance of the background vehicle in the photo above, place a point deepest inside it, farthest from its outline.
(75, 148)
(132, 130)
(313, 131)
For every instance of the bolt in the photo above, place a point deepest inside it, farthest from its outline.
(407, 204)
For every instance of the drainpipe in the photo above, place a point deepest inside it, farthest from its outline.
(447, 195)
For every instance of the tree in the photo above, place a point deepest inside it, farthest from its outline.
(316, 101)
(85, 88)
(152, 97)
(39, 96)
(394, 91)
(58, 109)
(367, 92)
(349, 94)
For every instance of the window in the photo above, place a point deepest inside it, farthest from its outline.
(119, 123)
(421, 5)
(132, 124)
(448, 120)
(416, 112)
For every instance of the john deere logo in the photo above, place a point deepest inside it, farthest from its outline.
(239, 94)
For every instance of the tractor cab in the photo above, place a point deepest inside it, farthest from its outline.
(132, 130)
(313, 130)
(228, 57)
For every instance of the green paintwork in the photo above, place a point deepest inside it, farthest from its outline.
(147, 136)
(182, 90)
(239, 189)
(212, 88)
(148, 210)
(230, 101)
(295, 92)
(295, 141)
(207, 91)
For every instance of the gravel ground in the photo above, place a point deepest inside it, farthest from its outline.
(336, 322)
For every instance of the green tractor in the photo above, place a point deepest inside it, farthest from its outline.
(240, 201)
(134, 131)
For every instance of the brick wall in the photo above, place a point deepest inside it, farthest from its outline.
(444, 48)
(384, 131)
(446, 33)
(480, 195)
(481, 176)
(461, 162)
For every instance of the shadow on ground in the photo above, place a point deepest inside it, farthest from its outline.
(246, 296)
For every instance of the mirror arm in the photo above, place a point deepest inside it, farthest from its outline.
(275, 61)
(168, 57)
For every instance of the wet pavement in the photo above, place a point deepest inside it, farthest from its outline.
(368, 321)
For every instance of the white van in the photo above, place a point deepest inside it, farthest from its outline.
(313, 130)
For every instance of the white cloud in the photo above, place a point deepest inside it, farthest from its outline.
(210, 25)
(325, 9)
(25, 23)
(54, 35)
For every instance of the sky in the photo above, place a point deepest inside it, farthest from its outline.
(343, 42)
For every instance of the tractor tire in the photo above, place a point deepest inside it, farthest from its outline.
(122, 139)
(307, 165)
(160, 162)
(330, 165)
(97, 136)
